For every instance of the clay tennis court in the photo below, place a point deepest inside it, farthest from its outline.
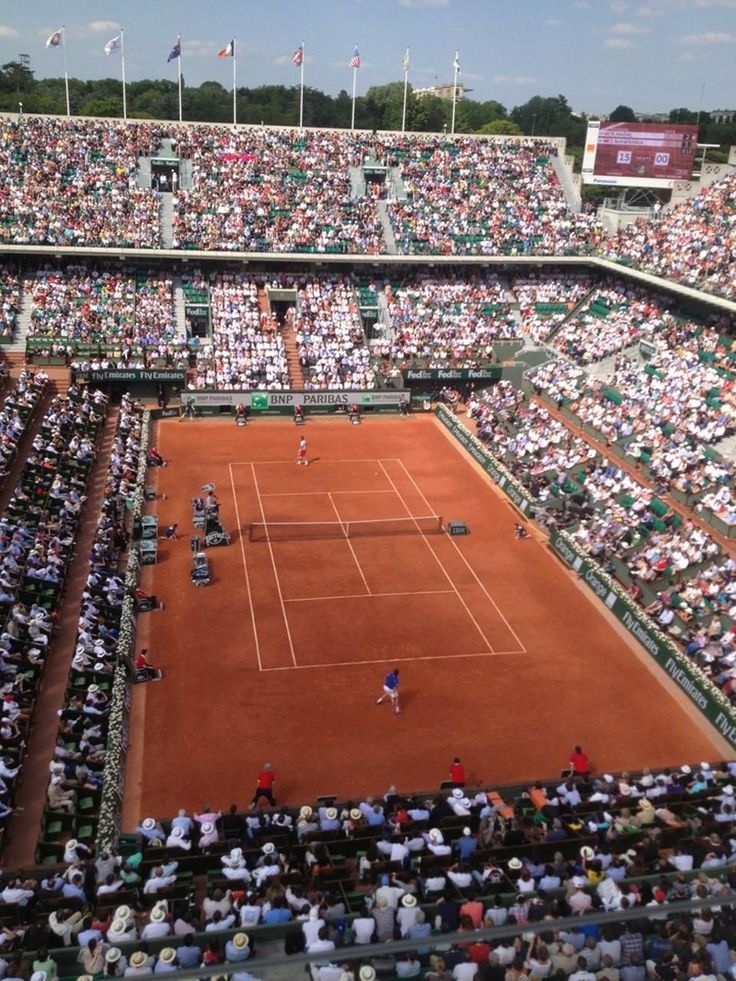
(339, 571)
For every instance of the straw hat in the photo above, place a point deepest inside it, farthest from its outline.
(167, 955)
(269, 848)
(241, 941)
(149, 824)
(158, 914)
(331, 813)
(356, 814)
(305, 812)
(366, 973)
(408, 899)
(587, 853)
(138, 958)
(113, 955)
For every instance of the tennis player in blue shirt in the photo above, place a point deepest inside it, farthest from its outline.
(391, 690)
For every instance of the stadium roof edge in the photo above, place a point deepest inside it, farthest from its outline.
(382, 259)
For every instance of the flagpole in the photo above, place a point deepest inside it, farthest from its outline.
(406, 87)
(352, 116)
(235, 98)
(66, 73)
(178, 61)
(454, 93)
(301, 90)
(122, 68)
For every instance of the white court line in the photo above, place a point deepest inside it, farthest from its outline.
(419, 592)
(472, 570)
(275, 573)
(394, 660)
(436, 558)
(245, 570)
(313, 493)
(349, 544)
(251, 463)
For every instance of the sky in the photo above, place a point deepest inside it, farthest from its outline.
(652, 55)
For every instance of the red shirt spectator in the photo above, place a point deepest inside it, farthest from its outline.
(457, 772)
(579, 762)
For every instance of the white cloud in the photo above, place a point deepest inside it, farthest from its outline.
(626, 28)
(716, 3)
(6, 31)
(581, 4)
(102, 26)
(424, 3)
(192, 48)
(554, 22)
(618, 6)
(686, 57)
(619, 42)
(514, 80)
(709, 37)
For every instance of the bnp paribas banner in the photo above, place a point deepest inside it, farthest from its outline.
(274, 401)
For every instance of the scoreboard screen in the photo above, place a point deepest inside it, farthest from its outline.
(639, 154)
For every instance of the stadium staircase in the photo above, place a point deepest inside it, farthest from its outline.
(564, 175)
(572, 313)
(388, 232)
(397, 188)
(22, 324)
(143, 175)
(288, 334)
(167, 219)
(357, 182)
(25, 822)
(180, 315)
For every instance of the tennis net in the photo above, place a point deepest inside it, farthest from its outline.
(296, 531)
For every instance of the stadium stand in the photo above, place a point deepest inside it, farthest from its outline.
(440, 320)
(483, 198)
(691, 243)
(74, 182)
(492, 878)
(261, 190)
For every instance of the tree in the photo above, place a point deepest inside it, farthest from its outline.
(106, 107)
(15, 77)
(500, 127)
(684, 117)
(622, 114)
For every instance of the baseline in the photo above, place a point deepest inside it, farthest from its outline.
(409, 592)
(392, 660)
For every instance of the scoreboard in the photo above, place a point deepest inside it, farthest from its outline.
(638, 154)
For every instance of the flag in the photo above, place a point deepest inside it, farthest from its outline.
(456, 62)
(405, 62)
(298, 56)
(114, 44)
(56, 38)
(355, 60)
(175, 51)
(228, 51)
